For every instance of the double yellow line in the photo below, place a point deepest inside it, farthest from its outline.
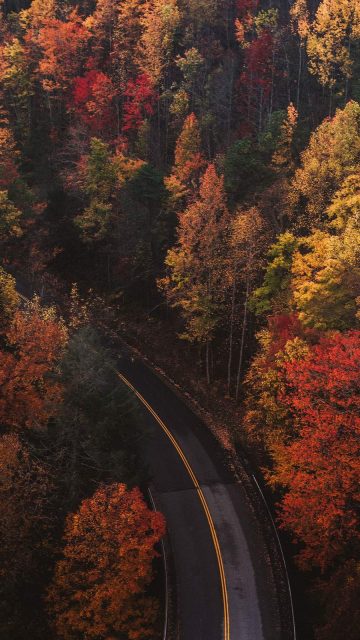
(199, 492)
(202, 500)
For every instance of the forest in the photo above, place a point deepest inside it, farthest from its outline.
(184, 171)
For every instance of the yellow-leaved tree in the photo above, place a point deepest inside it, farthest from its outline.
(326, 278)
(332, 155)
(334, 31)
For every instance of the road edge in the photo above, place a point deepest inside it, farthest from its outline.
(240, 467)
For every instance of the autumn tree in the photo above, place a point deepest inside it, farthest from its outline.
(317, 276)
(325, 279)
(160, 20)
(267, 421)
(191, 91)
(300, 22)
(31, 393)
(127, 39)
(205, 24)
(9, 298)
(319, 465)
(255, 81)
(346, 203)
(335, 29)
(332, 154)
(17, 83)
(62, 45)
(274, 294)
(195, 282)
(140, 100)
(98, 586)
(40, 11)
(10, 217)
(102, 24)
(183, 183)
(97, 181)
(9, 158)
(283, 157)
(93, 101)
(123, 216)
(256, 35)
(188, 158)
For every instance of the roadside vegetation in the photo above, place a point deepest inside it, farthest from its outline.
(194, 166)
(77, 537)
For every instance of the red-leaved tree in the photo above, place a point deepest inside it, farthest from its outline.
(93, 100)
(255, 81)
(140, 99)
(320, 467)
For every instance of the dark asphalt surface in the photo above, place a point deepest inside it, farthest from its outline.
(253, 604)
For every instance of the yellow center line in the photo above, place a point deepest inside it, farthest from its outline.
(199, 492)
(202, 499)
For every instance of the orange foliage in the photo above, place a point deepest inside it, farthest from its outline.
(29, 393)
(204, 225)
(62, 45)
(188, 158)
(99, 584)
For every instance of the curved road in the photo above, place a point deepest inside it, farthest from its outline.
(224, 583)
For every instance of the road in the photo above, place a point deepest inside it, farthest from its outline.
(224, 583)
(225, 588)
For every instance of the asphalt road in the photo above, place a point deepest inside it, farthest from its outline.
(202, 591)
(225, 587)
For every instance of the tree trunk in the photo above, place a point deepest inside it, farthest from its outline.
(243, 332)
(229, 118)
(330, 101)
(73, 467)
(299, 78)
(272, 84)
(108, 270)
(159, 135)
(118, 117)
(261, 110)
(249, 97)
(347, 77)
(207, 360)
(231, 337)
(50, 110)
